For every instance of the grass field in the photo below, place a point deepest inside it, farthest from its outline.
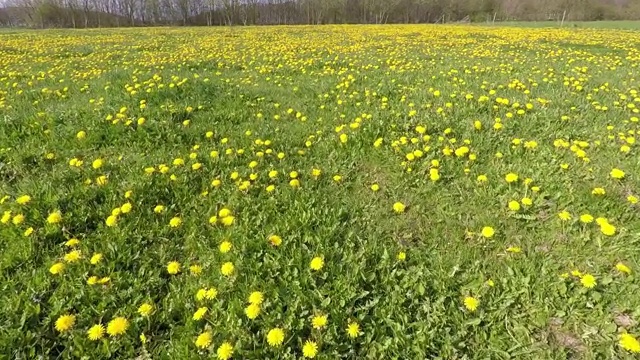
(621, 24)
(352, 192)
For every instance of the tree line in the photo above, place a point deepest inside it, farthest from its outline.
(113, 13)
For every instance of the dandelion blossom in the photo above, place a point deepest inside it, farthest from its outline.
(225, 351)
(629, 343)
(310, 349)
(145, 309)
(173, 267)
(319, 321)
(399, 207)
(623, 268)
(175, 222)
(316, 263)
(204, 340)
(54, 217)
(117, 326)
(275, 240)
(200, 313)
(471, 303)
(488, 232)
(256, 298)
(275, 337)
(353, 330)
(56, 268)
(617, 174)
(227, 268)
(252, 311)
(588, 281)
(65, 322)
(96, 332)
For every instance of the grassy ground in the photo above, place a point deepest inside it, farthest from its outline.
(622, 25)
(442, 192)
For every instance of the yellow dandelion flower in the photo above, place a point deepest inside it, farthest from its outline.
(629, 343)
(200, 313)
(204, 340)
(275, 240)
(623, 268)
(252, 311)
(310, 349)
(56, 268)
(256, 298)
(54, 217)
(225, 247)
(471, 303)
(399, 207)
(317, 263)
(588, 281)
(117, 326)
(275, 337)
(173, 267)
(145, 309)
(319, 321)
(175, 222)
(488, 232)
(225, 351)
(96, 332)
(96, 258)
(353, 330)
(227, 268)
(65, 322)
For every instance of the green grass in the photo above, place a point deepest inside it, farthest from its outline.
(604, 24)
(407, 98)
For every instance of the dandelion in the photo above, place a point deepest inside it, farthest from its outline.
(227, 220)
(586, 218)
(195, 270)
(488, 232)
(54, 217)
(173, 267)
(623, 268)
(319, 321)
(200, 313)
(225, 351)
(511, 177)
(526, 201)
(111, 221)
(617, 174)
(471, 303)
(126, 208)
(275, 240)
(564, 215)
(23, 200)
(256, 298)
(95, 259)
(401, 256)
(145, 309)
(588, 281)
(65, 322)
(204, 340)
(399, 207)
(175, 222)
(158, 209)
(72, 256)
(211, 294)
(275, 337)
(353, 330)
(227, 268)
(317, 263)
(56, 268)
(629, 343)
(514, 205)
(225, 247)
(607, 229)
(96, 332)
(252, 311)
(310, 349)
(117, 326)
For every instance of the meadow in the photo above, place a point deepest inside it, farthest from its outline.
(329, 192)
